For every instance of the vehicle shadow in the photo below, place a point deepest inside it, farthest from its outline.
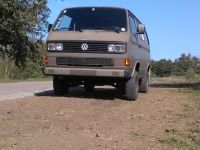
(100, 93)
(193, 86)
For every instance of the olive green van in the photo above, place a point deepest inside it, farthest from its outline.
(98, 46)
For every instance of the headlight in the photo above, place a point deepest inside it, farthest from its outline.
(117, 48)
(55, 46)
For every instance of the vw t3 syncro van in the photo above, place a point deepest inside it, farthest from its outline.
(98, 46)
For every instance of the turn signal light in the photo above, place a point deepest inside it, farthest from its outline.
(127, 62)
(45, 59)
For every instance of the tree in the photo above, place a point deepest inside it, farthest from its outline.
(185, 65)
(162, 68)
(23, 22)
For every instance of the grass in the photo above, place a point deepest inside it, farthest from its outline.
(184, 141)
(191, 84)
(189, 139)
(176, 79)
(176, 141)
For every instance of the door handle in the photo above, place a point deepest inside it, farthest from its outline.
(139, 46)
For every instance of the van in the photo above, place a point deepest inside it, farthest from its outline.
(98, 46)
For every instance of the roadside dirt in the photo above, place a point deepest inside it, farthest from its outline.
(102, 120)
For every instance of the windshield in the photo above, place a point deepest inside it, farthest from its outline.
(78, 19)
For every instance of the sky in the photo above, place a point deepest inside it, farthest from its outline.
(173, 26)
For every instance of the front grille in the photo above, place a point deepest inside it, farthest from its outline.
(84, 61)
(93, 47)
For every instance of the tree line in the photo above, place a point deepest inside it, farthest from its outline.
(185, 65)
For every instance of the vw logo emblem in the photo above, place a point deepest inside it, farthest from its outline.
(84, 46)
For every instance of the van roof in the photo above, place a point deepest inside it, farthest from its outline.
(97, 7)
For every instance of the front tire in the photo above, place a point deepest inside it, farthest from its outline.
(144, 85)
(60, 86)
(132, 88)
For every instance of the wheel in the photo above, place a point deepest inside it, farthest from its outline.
(89, 87)
(60, 86)
(144, 85)
(120, 86)
(132, 88)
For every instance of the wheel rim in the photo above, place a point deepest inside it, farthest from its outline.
(147, 82)
(137, 86)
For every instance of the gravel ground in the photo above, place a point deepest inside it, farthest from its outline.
(23, 89)
(101, 120)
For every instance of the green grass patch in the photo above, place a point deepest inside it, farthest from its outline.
(183, 141)
(190, 138)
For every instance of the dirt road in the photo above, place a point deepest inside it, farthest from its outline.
(101, 120)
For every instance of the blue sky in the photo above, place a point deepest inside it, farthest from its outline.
(173, 26)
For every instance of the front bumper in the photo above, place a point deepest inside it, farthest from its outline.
(93, 72)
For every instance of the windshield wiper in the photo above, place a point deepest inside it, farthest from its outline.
(112, 28)
(62, 29)
(68, 29)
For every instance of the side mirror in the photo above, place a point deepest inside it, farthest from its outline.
(49, 27)
(141, 29)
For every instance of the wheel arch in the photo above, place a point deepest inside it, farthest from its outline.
(148, 67)
(136, 67)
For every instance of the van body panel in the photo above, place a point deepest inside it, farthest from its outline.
(87, 36)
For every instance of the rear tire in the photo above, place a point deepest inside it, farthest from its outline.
(132, 88)
(89, 87)
(60, 86)
(144, 85)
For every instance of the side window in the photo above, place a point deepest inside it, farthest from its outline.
(63, 23)
(140, 36)
(132, 25)
(144, 36)
(66, 22)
